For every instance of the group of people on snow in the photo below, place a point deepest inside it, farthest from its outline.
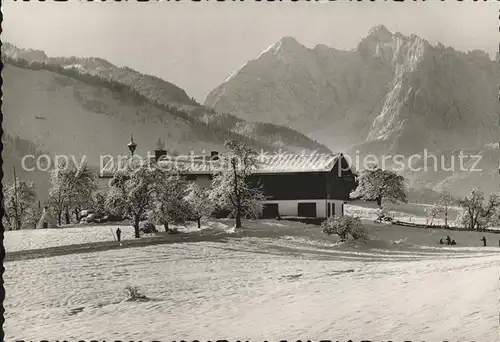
(449, 241)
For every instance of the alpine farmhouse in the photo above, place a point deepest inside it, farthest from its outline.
(295, 185)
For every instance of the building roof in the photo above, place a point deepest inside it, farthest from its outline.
(265, 164)
(290, 162)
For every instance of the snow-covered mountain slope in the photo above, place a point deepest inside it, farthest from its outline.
(154, 92)
(64, 115)
(147, 85)
(393, 88)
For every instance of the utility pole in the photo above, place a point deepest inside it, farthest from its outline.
(18, 226)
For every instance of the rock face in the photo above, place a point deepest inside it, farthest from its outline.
(394, 91)
(393, 94)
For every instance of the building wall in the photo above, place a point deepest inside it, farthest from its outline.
(290, 207)
(203, 181)
(292, 186)
(103, 183)
(341, 181)
(335, 185)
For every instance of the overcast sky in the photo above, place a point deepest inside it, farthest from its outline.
(197, 45)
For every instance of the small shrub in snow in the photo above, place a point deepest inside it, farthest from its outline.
(383, 213)
(345, 226)
(134, 294)
(358, 232)
(149, 228)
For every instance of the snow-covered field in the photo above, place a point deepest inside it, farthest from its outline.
(44, 238)
(19, 240)
(414, 212)
(258, 289)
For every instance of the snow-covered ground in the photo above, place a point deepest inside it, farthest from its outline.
(18, 240)
(369, 211)
(44, 238)
(257, 289)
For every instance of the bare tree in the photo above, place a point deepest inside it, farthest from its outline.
(382, 186)
(231, 189)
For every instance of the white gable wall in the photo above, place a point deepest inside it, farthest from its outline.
(290, 207)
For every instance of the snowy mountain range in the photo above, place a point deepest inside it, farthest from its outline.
(395, 89)
(393, 94)
(148, 106)
(87, 107)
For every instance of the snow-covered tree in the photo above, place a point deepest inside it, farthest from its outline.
(200, 205)
(441, 208)
(169, 203)
(230, 186)
(71, 189)
(432, 213)
(57, 200)
(83, 183)
(382, 186)
(99, 201)
(477, 215)
(445, 203)
(20, 207)
(132, 192)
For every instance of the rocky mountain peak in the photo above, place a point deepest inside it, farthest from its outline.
(287, 46)
(380, 33)
(13, 51)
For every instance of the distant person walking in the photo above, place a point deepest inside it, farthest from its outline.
(484, 240)
(118, 234)
(442, 243)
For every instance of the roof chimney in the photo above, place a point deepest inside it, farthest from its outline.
(160, 149)
(159, 154)
(160, 144)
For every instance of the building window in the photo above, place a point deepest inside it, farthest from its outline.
(307, 210)
(270, 211)
(329, 210)
(191, 177)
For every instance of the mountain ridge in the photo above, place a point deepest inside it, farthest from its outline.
(277, 85)
(164, 93)
(392, 94)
